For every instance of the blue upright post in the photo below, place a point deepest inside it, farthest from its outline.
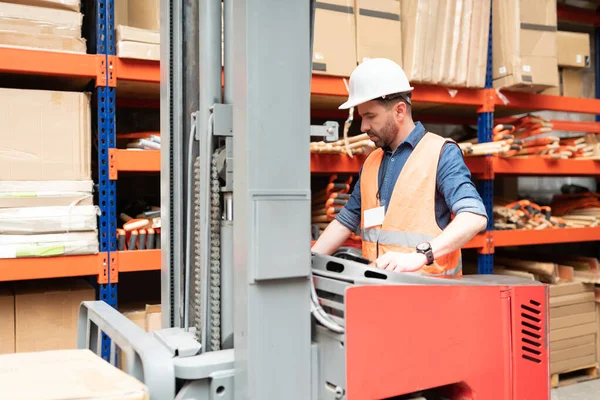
(111, 129)
(106, 140)
(485, 125)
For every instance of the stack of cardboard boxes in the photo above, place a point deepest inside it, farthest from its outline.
(42, 24)
(435, 41)
(41, 315)
(573, 50)
(46, 201)
(445, 41)
(138, 29)
(574, 328)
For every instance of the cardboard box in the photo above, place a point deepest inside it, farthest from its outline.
(144, 14)
(524, 45)
(377, 19)
(43, 41)
(72, 5)
(334, 47)
(46, 313)
(45, 135)
(121, 12)
(478, 46)
(573, 49)
(458, 64)
(66, 375)
(571, 81)
(435, 20)
(444, 31)
(17, 15)
(131, 34)
(7, 320)
(136, 50)
(414, 21)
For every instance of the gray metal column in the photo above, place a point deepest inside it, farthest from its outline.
(271, 97)
(210, 93)
(171, 74)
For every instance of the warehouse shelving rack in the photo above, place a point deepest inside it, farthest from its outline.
(107, 71)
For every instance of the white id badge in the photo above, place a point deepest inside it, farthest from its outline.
(374, 217)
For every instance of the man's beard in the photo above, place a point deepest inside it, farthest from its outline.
(386, 135)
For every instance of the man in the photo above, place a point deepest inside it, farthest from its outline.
(409, 187)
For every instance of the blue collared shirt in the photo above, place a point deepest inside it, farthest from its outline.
(455, 192)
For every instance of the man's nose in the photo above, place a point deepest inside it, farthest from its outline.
(364, 126)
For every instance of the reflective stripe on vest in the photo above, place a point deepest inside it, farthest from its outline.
(394, 238)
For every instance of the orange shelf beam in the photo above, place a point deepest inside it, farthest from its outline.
(534, 166)
(335, 163)
(545, 236)
(139, 260)
(138, 70)
(323, 85)
(48, 63)
(138, 160)
(476, 243)
(17, 269)
(531, 101)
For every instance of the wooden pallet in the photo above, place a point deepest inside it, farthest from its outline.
(574, 375)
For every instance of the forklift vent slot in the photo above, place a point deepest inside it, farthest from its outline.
(531, 326)
(373, 274)
(531, 323)
(535, 360)
(530, 309)
(531, 342)
(335, 267)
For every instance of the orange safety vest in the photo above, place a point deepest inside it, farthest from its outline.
(410, 216)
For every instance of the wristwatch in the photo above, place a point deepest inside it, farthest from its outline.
(425, 248)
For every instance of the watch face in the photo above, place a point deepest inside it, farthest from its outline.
(423, 246)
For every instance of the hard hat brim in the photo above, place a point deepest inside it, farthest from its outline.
(355, 102)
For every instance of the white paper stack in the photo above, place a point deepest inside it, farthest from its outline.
(47, 218)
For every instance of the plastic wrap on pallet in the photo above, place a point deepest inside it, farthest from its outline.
(47, 245)
(35, 220)
(15, 194)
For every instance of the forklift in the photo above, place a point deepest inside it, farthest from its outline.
(247, 311)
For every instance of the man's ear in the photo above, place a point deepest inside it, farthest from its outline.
(400, 109)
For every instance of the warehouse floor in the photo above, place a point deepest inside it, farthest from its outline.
(580, 391)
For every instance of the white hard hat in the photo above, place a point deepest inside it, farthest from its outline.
(376, 78)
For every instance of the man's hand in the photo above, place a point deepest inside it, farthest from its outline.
(401, 262)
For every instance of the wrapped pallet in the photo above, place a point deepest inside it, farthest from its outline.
(446, 41)
(573, 329)
(524, 45)
(42, 25)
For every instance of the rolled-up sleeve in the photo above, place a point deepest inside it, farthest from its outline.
(349, 216)
(455, 185)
